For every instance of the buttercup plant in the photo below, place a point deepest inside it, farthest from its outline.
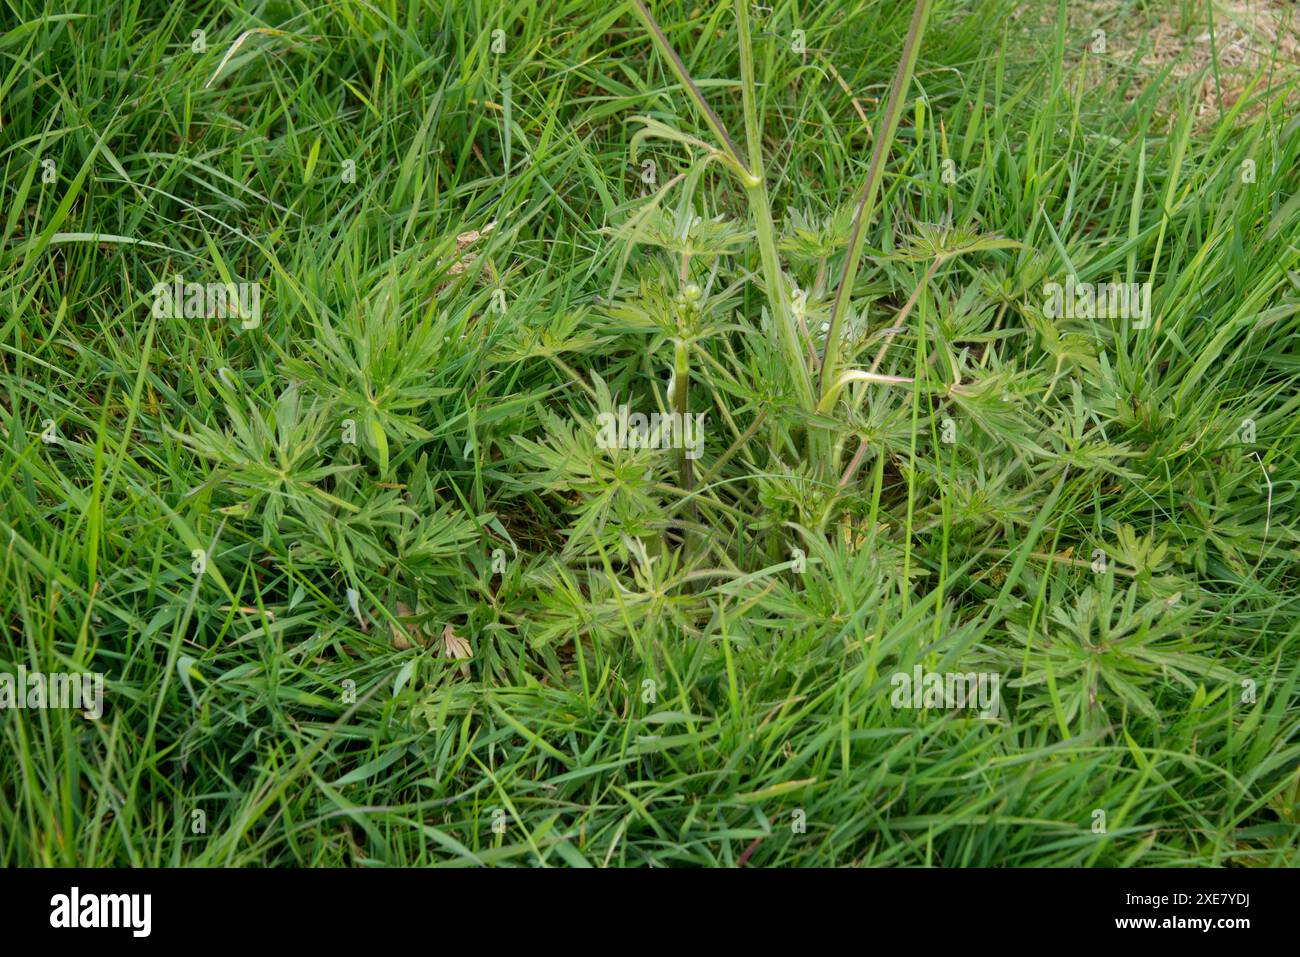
(750, 171)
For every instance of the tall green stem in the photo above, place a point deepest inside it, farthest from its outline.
(777, 295)
(751, 175)
(867, 198)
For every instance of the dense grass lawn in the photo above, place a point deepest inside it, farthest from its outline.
(449, 440)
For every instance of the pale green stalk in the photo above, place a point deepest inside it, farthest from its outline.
(773, 277)
(867, 200)
(751, 175)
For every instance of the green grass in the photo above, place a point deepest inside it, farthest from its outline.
(672, 661)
